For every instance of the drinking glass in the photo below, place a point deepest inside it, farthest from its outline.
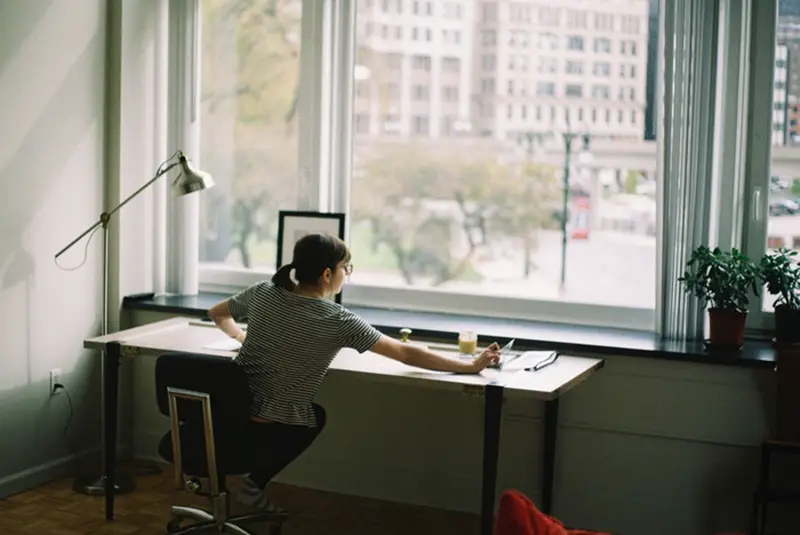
(467, 344)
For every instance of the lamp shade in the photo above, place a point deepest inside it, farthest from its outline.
(191, 179)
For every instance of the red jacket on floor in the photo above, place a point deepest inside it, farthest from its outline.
(517, 515)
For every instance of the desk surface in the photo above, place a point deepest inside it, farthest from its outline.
(186, 335)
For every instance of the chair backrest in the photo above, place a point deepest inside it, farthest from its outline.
(219, 377)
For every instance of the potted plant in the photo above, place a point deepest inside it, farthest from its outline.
(781, 275)
(722, 281)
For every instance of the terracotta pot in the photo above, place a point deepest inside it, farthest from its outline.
(726, 327)
(787, 325)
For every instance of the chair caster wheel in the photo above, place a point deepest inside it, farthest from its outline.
(174, 526)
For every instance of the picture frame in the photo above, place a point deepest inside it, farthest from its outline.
(294, 224)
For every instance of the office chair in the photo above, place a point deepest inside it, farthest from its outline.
(208, 403)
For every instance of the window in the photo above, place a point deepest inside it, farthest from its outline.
(604, 22)
(549, 16)
(602, 45)
(573, 90)
(444, 202)
(602, 68)
(780, 184)
(574, 43)
(545, 89)
(574, 67)
(249, 124)
(432, 228)
(576, 19)
(601, 92)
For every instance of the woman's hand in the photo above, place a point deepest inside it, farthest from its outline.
(490, 355)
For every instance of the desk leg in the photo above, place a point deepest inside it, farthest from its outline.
(112, 356)
(549, 457)
(493, 406)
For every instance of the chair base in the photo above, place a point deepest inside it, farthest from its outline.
(205, 521)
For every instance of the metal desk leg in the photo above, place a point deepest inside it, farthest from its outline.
(549, 457)
(112, 356)
(493, 405)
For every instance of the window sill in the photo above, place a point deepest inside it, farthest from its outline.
(596, 341)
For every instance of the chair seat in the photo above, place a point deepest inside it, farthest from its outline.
(235, 454)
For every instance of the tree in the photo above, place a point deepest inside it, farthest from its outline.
(434, 208)
(250, 76)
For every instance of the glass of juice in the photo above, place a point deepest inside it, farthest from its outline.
(467, 344)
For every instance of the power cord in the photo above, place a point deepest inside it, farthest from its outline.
(72, 449)
(149, 469)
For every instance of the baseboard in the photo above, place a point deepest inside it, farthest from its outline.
(36, 476)
(44, 473)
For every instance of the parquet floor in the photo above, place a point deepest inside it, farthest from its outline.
(55, 509)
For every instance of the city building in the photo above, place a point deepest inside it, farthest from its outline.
(502, 68)
(780, 97)
(555, 68)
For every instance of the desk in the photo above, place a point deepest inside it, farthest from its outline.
(188, 335)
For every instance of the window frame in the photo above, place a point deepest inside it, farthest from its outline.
(764, 18)
(325, 119)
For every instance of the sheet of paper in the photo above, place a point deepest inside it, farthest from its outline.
(228, 344)
(528, 359)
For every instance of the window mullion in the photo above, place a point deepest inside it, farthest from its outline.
(342, 109)
(311, 106)
(184, 212)
(759, 136)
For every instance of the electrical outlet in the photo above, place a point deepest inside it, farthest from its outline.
(55, 377)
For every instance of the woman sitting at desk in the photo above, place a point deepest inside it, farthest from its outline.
(293, 334)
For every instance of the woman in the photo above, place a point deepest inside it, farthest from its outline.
(293, 334)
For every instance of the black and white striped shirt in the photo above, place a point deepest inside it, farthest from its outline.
(290, 343)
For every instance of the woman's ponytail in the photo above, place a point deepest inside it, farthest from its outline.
(283, 278)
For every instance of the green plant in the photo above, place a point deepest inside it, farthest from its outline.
(781, 275)
(723, 279)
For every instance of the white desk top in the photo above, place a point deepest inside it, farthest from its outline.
(186, 335)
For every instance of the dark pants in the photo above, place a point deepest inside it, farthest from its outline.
(279, 444)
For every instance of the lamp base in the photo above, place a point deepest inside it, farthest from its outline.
(96, 485)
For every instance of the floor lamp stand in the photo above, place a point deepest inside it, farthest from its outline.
(93, 484)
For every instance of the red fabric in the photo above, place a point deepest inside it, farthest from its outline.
(517, 515)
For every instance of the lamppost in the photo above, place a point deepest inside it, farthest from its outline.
(568, 137)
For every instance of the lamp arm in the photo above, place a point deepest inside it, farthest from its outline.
(141, 189)
(105, 217)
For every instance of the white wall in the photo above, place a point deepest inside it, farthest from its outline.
(646, 447)
(52, 68)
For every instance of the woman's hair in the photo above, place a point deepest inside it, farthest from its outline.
(313, 254)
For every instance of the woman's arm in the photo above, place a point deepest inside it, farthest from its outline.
(413, 355)
(221, 314)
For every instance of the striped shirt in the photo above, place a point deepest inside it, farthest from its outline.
(290, 343)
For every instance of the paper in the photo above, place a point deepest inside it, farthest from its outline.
(527, 359)
(229, 344)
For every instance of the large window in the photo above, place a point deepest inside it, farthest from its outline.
(490, 200)
(250, 64)
(462, 194)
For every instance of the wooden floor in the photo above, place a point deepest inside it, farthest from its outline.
(55, 509)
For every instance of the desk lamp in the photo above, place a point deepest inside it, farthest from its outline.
(188, 181)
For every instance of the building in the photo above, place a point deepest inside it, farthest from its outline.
(552, 68)
(780, 97)
(501, 69)
(414, 59)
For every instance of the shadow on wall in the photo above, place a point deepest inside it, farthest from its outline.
(30, 172)
(63, 426)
